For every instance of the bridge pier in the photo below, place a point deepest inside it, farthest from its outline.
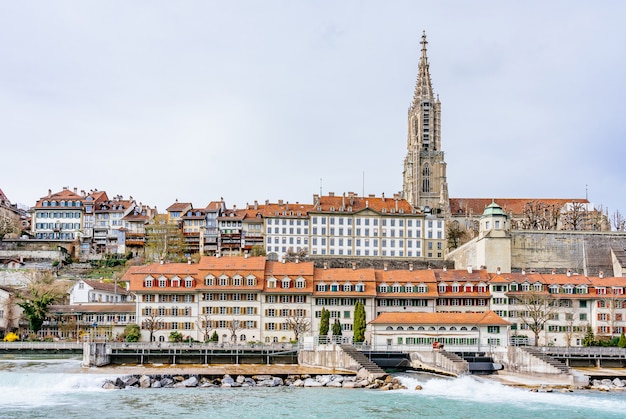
(96, 354)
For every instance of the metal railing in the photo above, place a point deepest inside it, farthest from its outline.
(28, 345)
(587, 351)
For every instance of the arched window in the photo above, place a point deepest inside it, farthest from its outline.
(426, 178)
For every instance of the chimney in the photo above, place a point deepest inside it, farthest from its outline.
(523, 271)
(353, 265)
(569, 272)
(297, 259)
(280, 202)
(49, 193)
(410, 267)
(445, 268)
(470, 269)
(161, 262)
(65, 188)
(553, 271)
(331, 194)
(498, 270)
(246, 256)
(325, 265)
(256, 204)
(601, 274)
(75, 189)
(383, 197)
(385, 266)
(343, 200)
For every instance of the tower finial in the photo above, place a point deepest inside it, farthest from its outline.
(423, 85)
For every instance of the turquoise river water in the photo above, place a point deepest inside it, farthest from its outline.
(55, 388)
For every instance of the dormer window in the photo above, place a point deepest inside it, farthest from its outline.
(525, 287)
(347, 287)
(321, 287)
(408, 288)
(162, 282)
(360, 287)
(223, 281)
(209, 280)
(188, 283)
(300, 283)
(538, 287)
(396, 288)
(271, 283)
(148, 282)
(251, 281)
(553, 289)
(482, 287)
(468, 288)
(422, 288)
(286, 283)
(175, 282)
(513, 287)
(456, 287)
(442, 288)
(601, 290)
(382, 288)
(334, 287)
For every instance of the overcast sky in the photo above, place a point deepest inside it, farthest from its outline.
(256, 100)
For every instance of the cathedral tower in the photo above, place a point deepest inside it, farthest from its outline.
(424, 177)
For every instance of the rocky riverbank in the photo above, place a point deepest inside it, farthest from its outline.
(361, 380)
(607, 384)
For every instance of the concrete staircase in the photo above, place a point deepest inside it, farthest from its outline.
(547, 359)
(362, 360)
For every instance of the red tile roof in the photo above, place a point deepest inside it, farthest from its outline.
(486, 318)
(476, 206)
(355, 204)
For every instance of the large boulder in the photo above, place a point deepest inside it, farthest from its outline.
(144, 381)
(190, 382)
(323, 379)
(310, 382)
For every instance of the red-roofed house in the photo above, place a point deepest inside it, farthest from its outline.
(456, 331)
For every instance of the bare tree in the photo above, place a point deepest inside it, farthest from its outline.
(537, 308)
(618, 221)
(574, 216)
(234, 326)
(11, 313)
(204, 324)
(538, 215)
(8, 225)
(607, 313)
(152, 323)
(298, 323)
(164, 241)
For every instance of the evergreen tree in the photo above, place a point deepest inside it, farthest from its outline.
(325, 322)
(359, 322)
(589, 339)
(336, 328)
(622, 341)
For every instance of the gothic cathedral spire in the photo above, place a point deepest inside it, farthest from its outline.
(424, 177)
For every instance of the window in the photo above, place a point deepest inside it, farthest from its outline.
(493, 329)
